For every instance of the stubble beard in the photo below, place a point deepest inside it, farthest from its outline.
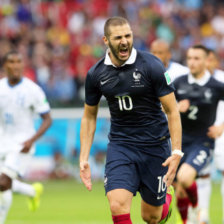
(115, 52)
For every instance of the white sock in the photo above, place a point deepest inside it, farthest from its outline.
(222, 192)
(23, 188)
(204, 193)
(5, 204)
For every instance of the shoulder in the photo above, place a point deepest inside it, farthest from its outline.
(219, 75)
(3, 81)
(31, 86)
(29, 83)
(97, 67)
(151, 64)
(4, 85)
(216, 82)
(148, 58)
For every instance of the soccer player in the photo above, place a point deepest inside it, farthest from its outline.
(20, 98)
(204, 182)
(139, 156)
(161, 49)
(198, 95)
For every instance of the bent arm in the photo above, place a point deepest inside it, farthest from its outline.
(44, 126)
(88, 127)
(46, 123)
(171, 109)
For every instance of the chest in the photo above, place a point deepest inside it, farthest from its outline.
(15, 99)
(129, 81)
(198, 94)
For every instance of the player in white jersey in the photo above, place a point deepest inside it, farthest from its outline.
(161, 49)
(204, 183)
(20, 99)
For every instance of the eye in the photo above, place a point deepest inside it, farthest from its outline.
(117, 38)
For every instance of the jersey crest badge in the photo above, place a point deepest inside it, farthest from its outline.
(137, 79)
(137, 76)
(208, 94)
(168, 79)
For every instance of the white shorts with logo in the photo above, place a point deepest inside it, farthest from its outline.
(13, 163)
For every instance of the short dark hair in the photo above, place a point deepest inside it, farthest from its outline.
(114, 21)
(6, 56)
(201, 47)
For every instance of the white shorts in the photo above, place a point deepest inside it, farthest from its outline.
(14, 164)
(219, 153)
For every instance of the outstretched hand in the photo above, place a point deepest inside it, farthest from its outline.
(85, 174)
(172, 162)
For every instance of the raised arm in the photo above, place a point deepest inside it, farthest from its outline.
(88, 127)
(171, 109)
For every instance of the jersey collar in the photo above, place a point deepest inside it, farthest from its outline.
(12, 86)
(202, 81)
(131, 59)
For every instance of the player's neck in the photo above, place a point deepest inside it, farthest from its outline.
(13, 82)
(199, 75)
(212, 71)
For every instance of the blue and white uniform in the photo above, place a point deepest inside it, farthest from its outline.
(18, 105)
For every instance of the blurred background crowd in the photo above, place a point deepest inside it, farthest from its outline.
(61, 40)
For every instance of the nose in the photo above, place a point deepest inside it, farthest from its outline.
(124, 41)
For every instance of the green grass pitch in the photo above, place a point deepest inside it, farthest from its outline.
(68, 202)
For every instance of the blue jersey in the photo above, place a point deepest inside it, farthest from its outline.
(132, 92)
(203, 104)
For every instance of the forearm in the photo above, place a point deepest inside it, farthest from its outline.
(88, 127)
(42, 129)
(175, 129)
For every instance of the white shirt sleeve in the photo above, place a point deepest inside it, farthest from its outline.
(41, 104)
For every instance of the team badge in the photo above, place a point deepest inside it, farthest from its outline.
(137, 76)
(208, 94)
(137, 79)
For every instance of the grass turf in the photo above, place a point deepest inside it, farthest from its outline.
(68, 202)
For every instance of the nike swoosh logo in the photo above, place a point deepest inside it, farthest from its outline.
(159, 197)
(104, 82)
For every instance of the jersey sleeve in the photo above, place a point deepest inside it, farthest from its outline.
(162, 82)
(92, 92)
(40, 104)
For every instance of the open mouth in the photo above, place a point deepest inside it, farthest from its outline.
(124, 52)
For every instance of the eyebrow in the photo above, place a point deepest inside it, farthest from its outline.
(119, 36)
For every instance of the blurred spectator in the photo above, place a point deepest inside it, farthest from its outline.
(62, 169)
(60, 40)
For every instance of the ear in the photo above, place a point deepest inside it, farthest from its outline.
(105, 40)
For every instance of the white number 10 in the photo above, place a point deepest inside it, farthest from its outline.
(162, 184)
(125, 102)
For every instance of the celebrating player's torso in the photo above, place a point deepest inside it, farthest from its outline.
(130, 90)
